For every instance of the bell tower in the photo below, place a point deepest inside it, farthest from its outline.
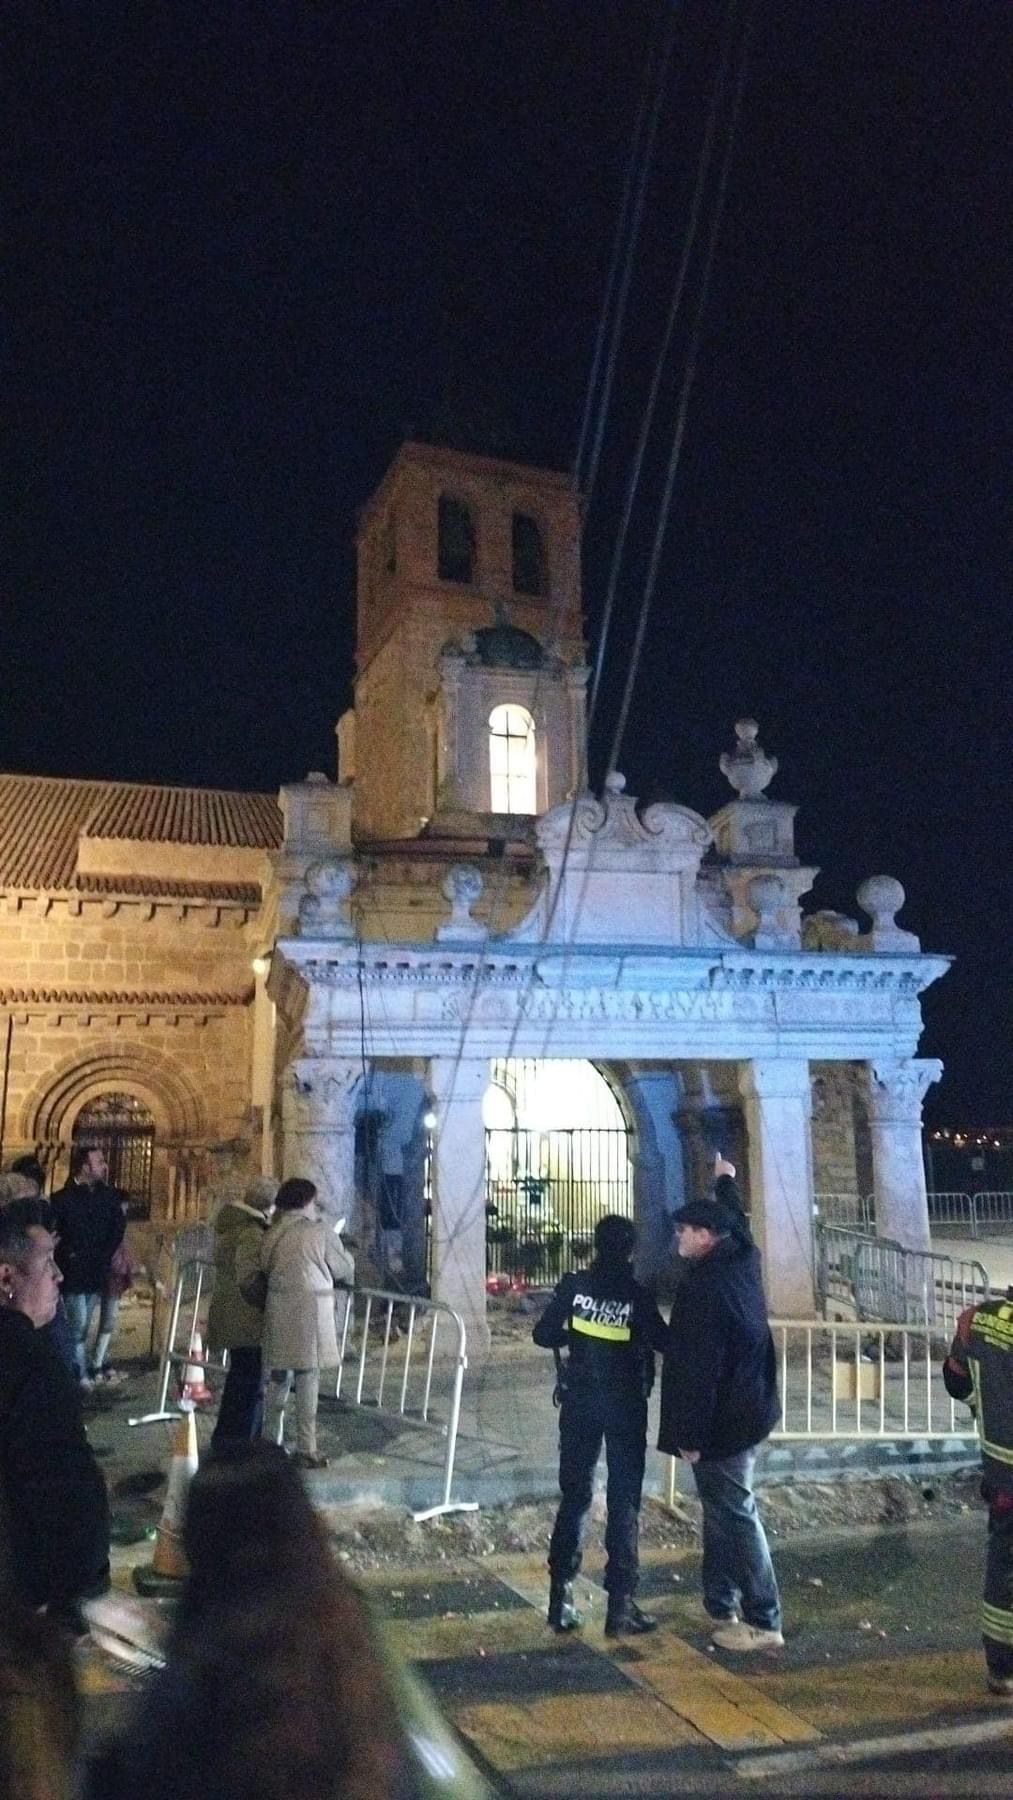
(469, 695)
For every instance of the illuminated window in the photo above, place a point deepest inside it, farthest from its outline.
(512, 763)
(528, 557)
(455, 540)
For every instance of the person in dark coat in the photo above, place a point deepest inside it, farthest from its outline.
(611, 1328)
(234, 1323)
(718, 1402)
(90, 1221)
(52, 1491)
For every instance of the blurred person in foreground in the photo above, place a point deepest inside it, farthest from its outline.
(236, 1324)
(719, 1401)
(302, 1258)
(275, 1686)
(979, 1369)
(51, 1488)
(611, 1328)
(40, 1711)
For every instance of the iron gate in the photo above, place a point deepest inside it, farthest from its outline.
(124, 1130)
(545, 1192)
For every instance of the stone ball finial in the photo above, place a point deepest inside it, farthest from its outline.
(748, 768)
(882, 897)
(614, 782)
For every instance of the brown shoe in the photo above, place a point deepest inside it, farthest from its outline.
(303, 1460)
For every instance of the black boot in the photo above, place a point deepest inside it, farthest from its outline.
(625, 1619)
(563, 1615)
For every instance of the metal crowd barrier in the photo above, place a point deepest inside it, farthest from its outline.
(856, 1212)
(191, 1295)
(404, 1363)
(860, 1383)
(884, 1282)
(864, 1380)
(404, 1371)
(976, 1213)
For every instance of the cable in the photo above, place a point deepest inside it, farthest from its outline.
(689, 377)
(628, 229)
(675, 307)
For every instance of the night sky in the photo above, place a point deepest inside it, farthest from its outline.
(250, 247)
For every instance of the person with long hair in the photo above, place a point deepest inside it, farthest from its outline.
(274, 1688)
(302, 1258)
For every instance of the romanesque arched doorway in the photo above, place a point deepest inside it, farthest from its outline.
(123, 1127)
(557, 1158)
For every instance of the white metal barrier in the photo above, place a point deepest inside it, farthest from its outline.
(403, 1363)
(882, 1281)
(856, 1212)
(191, 1295)
(868, 1380)
(973, 1213)
(409, 1369)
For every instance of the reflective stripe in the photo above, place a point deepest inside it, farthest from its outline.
(617, 1334)
(998, 1452)
(999, 1628)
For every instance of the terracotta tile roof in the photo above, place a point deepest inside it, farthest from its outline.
(42, 817)
(240, 893)
(136, 1001)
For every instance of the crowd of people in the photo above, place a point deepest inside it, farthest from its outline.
(244, 1681)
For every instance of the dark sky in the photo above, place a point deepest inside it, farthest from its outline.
(251, 246)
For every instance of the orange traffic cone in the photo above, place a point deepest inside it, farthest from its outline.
(168, 1566)
(194, 1385)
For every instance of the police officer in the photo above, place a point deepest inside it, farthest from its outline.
(979, 1369)
(611, 1328)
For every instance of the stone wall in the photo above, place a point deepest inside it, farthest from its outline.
(143, 997)
(834, 1120)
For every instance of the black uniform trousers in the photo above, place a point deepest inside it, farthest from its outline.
(589, 1414)
(997, 1611)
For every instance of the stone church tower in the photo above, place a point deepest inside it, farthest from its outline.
(469, 714)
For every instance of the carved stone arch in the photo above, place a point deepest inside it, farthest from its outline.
(638, 1121)
(174, 1101)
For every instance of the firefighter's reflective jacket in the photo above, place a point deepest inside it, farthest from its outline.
(609, 1324)
(979, 1369)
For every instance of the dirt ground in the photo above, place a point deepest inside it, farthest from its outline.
(367, 1540)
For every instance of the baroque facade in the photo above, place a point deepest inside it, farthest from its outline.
(320, 982)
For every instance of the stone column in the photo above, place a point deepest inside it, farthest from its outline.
(458, 1177)
(896, 1088)
(778, 1104)
(319, 1095)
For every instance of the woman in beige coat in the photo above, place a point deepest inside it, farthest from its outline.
(302, 1258)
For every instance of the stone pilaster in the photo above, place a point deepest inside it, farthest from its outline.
(458, 1178)
(319, 1097)
(895, 1091)
(778, 1103)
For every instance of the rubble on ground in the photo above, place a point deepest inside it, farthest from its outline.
(368, 1540)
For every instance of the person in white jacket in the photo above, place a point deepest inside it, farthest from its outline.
(303, 1259)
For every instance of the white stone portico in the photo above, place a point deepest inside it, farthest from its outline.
(424, 926)
(604, 975)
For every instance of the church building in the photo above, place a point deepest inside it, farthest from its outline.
(475, 1003)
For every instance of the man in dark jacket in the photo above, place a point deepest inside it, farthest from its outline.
(51, 1487)
(979, 1369)
(611, 1328)
(718, 1402)
(89, 1220)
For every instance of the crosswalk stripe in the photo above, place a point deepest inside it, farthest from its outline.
(523, 1734)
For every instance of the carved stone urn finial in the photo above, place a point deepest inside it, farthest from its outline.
(748, 767)
(462, 886)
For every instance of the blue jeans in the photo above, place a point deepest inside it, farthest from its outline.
(738, 1574)
(80, 1310)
